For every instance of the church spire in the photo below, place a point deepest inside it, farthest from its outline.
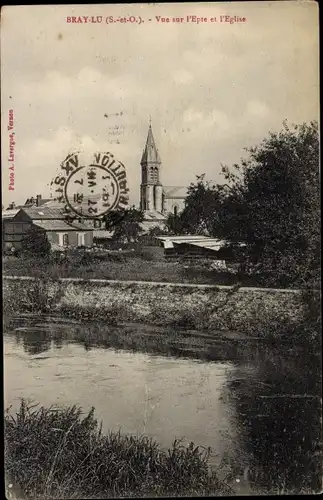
(151, 190)
(150, 153)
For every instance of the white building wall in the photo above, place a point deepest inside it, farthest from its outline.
(170, 204)
(150, 197)
(158, 198)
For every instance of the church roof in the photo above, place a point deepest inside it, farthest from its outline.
(153, 215)
(150, 153)
(175, 191)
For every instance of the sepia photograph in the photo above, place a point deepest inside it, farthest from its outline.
(161, 233)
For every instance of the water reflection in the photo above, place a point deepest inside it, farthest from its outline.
(151, 339)
(279, 419)
(34, 341)
(271, 393)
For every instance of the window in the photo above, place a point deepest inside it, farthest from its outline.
(175, 210)
(80, 239)
(63, 239)
(154, 174)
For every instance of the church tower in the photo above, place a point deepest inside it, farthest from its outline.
(151, 190)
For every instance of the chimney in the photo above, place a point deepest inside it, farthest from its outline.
(38, 199)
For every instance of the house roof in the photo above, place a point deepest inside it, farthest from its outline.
(175, 191)
(52, 204)
(9, 214)
(60, 225)
(194, 240)
(32, 202)
(150, 153)
(197, 241)
(184, 238)
(102, 233)
(81, 226)
(210, 245)
(43, 213)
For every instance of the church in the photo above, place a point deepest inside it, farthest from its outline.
(157, 201)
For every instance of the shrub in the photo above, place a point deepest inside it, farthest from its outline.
(55, 453)
(38, 296)
(35, 242)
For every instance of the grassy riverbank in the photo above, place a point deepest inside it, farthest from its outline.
(60, 453)
(145, 264)
(254, 312)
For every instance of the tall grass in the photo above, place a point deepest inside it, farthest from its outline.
(60, 453)
(40, 297)
(139, 266)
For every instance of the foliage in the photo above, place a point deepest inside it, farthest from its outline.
(271, 203)
(36, 242)
(174, 224)
(124, 265)
(200, 215)
(125, 224)
(157, 231)
(277, 195)
(55, 453)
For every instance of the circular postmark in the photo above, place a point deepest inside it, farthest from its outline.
(91, 186)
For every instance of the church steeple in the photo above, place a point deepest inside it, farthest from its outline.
(150, 153)
(151, 188)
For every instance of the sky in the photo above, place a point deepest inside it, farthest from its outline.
(210, 88)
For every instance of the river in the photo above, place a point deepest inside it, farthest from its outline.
(255, 404)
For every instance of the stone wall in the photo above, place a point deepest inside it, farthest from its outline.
(196, 306)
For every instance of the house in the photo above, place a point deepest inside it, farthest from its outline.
(6, 217)
(60, 230)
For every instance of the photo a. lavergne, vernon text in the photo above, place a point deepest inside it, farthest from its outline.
(11, 155)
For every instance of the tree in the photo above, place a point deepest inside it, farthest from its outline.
(201, 207)
(36, 243)
(174, 224)
(270, 202)
(157, 231)
(125, 224)
(273, 205)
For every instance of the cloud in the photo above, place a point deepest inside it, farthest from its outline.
(211, 89)
(182, 77)
(257, 109)
(192, 116)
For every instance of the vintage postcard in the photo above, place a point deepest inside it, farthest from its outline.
(161, 250)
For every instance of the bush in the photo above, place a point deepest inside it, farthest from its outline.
(55, 453)
(35, 242)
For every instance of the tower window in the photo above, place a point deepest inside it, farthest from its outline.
(154, 174)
